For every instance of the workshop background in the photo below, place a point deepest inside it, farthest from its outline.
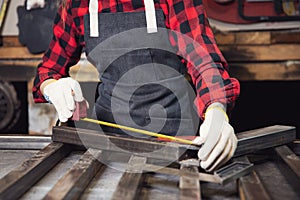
(265, 59)
(260, 40)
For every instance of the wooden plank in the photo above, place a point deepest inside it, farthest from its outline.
(243, 38)
(17, 53)
(128, 187)
(74, 182)
(276, 52)
(283, 71)
(250, 186)
(189, 186)
(290, 36)
(263, 138)
(258, 37)
(252, 38)
(11, 41)
(225, 38)
(19, 180)
(290, 158)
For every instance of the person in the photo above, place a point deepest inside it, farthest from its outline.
(103, 28)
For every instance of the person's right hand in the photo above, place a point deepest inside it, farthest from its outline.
(62, 94)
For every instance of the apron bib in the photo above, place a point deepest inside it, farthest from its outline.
(142, 85)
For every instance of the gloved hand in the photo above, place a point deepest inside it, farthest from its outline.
(62, 94)
(35, 4)
(218, 138)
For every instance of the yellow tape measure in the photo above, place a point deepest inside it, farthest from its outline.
(138, 131)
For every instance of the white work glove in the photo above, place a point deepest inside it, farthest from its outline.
(62, 94)
(35, 4)
(218, 138)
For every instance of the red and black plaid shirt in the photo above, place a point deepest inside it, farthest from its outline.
(187, 18)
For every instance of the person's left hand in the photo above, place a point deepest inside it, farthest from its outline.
(218, 138)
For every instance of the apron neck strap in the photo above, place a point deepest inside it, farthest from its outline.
(93, 9)
(149, 11)
(150, 16)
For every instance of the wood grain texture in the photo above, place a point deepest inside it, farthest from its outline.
(255, 53)
(266, 71)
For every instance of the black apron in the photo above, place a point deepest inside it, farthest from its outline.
(142, 79)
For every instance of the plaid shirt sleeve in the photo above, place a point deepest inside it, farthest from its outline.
(191, 35)
(64, 51)
(194, 40)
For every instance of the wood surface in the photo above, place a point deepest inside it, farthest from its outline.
(266, 71)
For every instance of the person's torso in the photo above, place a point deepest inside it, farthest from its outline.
(80, 8)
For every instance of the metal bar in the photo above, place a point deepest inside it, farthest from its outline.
(23, 145)
(295, 147)
(161, 167)
(250, 187)
(263, 138)
(189, 186)
(21, 138)
(24, 142)
(248, 142)
(173, 171)
(129, 184)
(149, 148)
(19, 180)
(290, 158)
(74, 182)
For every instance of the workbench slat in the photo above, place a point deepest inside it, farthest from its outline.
(118, 143)
(248, 142)
(74, 182)
(290, 158)
(263, 138)
(19, 180)
(128, 186)
(189, 187)
(250, 186)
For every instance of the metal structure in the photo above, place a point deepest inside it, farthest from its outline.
(9, 106)
(64, 168)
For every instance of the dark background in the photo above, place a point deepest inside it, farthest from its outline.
(264, 103)
(261, 103)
